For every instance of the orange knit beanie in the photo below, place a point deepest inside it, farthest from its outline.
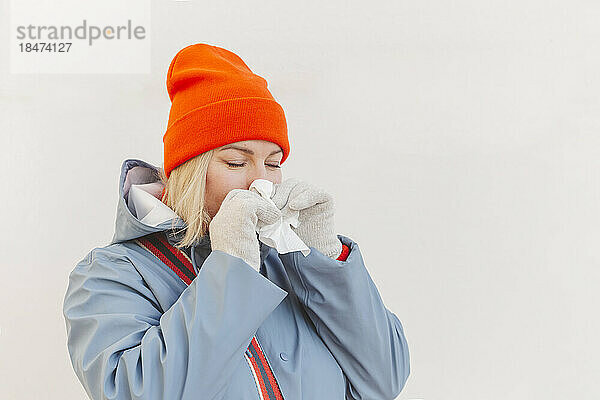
(216, 99)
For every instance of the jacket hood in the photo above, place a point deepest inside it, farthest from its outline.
(127, 224)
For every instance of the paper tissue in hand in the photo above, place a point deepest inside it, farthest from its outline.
(278, 235)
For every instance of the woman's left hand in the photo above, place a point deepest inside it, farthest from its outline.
(316, 208)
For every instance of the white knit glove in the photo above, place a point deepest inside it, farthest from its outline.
(233, 228)
(316, 207)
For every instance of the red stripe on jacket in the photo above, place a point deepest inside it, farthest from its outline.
(344, 254)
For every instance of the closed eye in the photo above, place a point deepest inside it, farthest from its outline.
(242, 164)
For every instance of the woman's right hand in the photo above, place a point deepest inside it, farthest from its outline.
(233, 228)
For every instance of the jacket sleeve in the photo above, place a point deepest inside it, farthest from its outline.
(122, 346)
(366, 338)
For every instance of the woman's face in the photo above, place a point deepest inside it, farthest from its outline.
(236, 165)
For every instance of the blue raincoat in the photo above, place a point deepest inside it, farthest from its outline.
(137, 331)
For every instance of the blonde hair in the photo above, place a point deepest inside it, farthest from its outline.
(184, 193)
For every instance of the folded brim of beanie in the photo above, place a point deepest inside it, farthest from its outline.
(223, 122)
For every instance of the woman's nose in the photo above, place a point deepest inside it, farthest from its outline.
(257, 173)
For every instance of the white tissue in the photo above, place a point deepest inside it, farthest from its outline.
(278, 235)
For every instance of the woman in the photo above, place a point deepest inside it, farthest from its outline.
(187, 303)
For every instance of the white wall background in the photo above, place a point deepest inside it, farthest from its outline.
(460, 140)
